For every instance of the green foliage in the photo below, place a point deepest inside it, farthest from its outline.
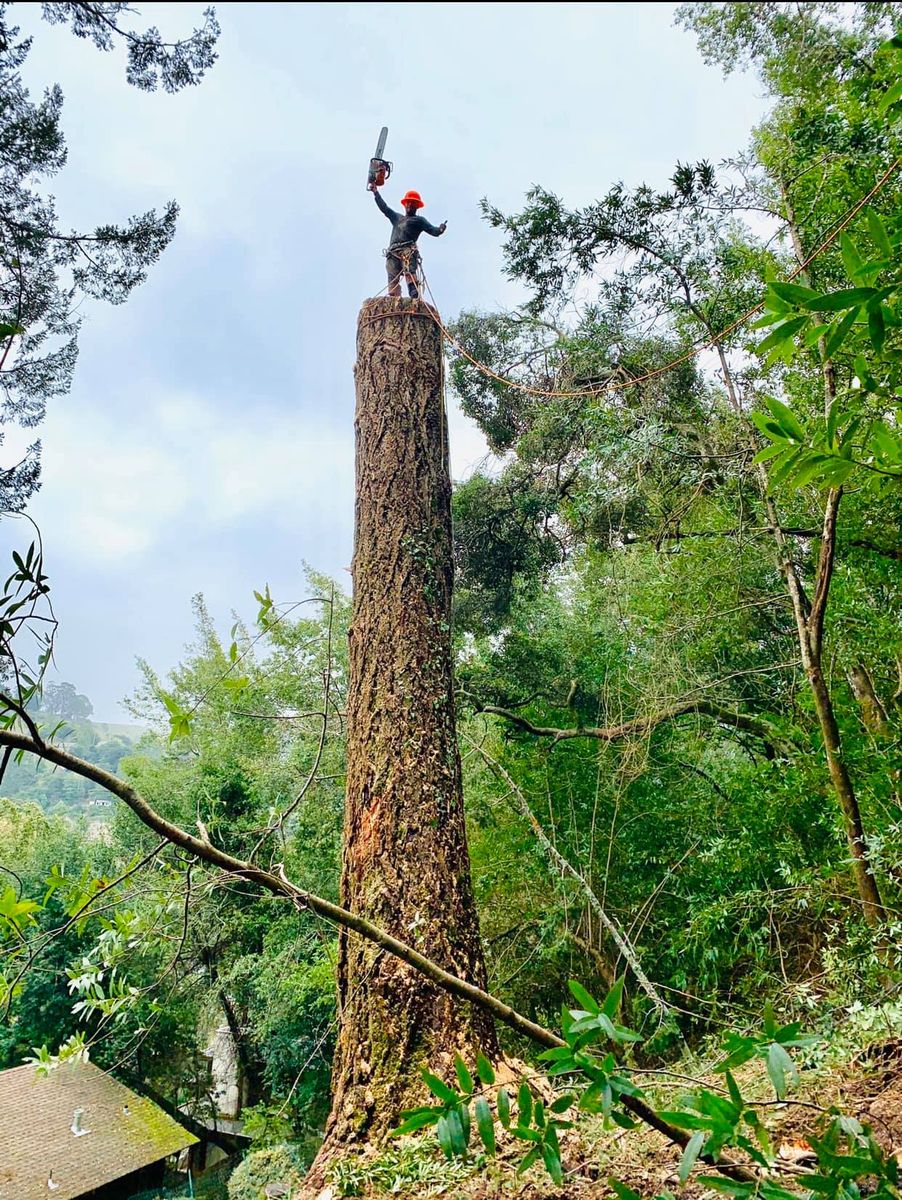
(27, 622)
(461, 1108)
(251, 761)
(151, 62)
(63, 701)
(501, 545)
(59, 792)
(792, 49)
(723, 849)
(36, 1005)
(849, 1161)
(743, 847)
(277, 1164)
(409, 1167)
(857, 439)
(715, 1120)
(141, 975)
(461, 1111)
(266, 1125)
(771, 1046)
(619, 581)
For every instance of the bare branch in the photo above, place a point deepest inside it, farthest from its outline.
(640, 726)
(824, 572)
(617, 935)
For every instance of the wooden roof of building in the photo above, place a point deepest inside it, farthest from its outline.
(124, 1132)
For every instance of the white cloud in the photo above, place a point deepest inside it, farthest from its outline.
(469, 450)
(116, 490)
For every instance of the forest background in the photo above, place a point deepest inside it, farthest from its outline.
(677, 624)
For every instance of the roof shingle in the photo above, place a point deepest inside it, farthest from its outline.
(126, 1132)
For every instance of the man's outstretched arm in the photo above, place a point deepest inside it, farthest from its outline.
(434, 230)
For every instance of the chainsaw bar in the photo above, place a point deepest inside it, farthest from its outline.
(379, 169)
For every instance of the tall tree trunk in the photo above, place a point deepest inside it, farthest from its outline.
(405, 864)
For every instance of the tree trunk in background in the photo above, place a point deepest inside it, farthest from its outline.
(405, 864)
(873, 714)
(809, 620)
(810, 623)
(871, 902)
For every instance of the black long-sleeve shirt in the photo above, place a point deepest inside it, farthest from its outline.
(405, 230)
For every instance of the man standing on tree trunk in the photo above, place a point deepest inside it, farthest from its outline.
(402, 254)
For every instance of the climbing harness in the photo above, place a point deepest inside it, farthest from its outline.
(409, 257)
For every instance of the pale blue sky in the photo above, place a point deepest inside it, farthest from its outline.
(207, 444)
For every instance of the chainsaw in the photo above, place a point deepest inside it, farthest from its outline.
(379, 169)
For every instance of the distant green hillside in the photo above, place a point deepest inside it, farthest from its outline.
(132, 733)
(61, 792)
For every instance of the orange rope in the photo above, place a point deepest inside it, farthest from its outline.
(427, 316)
(689, 354)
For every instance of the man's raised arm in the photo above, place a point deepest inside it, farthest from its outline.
(389, 212)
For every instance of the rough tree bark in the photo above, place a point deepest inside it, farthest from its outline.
(405, 863)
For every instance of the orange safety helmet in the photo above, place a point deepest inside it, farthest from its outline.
(413, 197)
